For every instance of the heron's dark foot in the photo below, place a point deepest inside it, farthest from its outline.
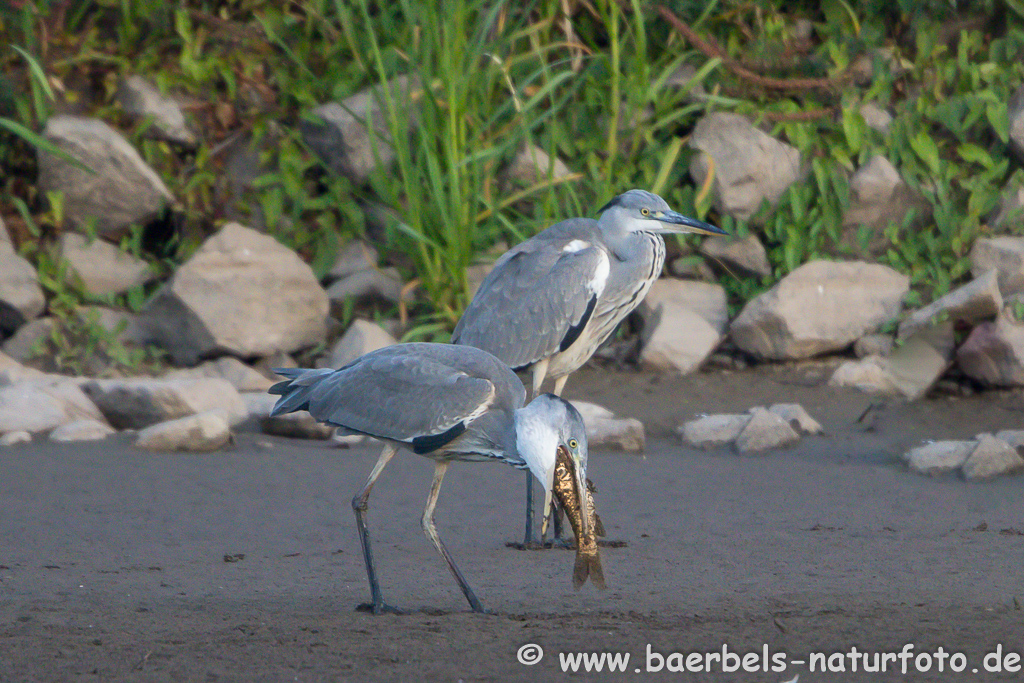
(382, 608)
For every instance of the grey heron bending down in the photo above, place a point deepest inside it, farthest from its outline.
(552, 300)
(443, 402)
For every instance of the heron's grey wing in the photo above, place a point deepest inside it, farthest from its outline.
(402, 395)
(536, 301)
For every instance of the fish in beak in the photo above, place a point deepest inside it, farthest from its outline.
(569, 485)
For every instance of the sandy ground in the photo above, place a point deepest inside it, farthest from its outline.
(114, 563)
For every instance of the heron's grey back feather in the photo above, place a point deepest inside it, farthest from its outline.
(405, 392)
(535, 296)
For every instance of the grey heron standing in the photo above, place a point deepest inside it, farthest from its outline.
(552, 300)
(443, 402)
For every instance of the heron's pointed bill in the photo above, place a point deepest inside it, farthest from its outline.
(672, 221)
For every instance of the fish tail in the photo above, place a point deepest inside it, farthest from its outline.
(588, 565)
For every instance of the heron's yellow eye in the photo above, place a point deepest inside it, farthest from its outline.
(645, 212)
(573, 443)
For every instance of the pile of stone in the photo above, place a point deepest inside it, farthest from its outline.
(756, 431)
(984, 457)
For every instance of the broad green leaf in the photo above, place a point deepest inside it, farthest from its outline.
(926, 150)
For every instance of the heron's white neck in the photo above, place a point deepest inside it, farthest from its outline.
(537, 440)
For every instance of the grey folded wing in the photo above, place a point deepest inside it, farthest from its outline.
(398, 393)
(536, 301)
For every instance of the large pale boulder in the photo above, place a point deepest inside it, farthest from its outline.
(975, 301)
(703, 298)
(910, 370)
(765, 431)
(1004, 255)
(101, 266)
(991, 458)
(39, 405)
(201, 432)
(139, 402)
(749, 166)
(713, 431)
(939, 457)
(242, 293)
(122, 190)
(821, 306)
(677, 339)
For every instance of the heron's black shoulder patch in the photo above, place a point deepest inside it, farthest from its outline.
(574, 331)
(430, 443)
(616, 200)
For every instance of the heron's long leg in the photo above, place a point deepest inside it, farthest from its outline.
(540, 370)
(359, 506)
(428, 528)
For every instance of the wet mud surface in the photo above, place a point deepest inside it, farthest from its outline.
(240, 565)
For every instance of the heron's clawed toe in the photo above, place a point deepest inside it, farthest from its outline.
(379, 608)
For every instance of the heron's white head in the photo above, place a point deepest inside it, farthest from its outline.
(642, 211)
(542, 427)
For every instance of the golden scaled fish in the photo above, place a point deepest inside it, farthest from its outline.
(579, 508)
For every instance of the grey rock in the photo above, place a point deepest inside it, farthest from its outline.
(910, 370)
(345, 139)
(1015, 113)
(991, 458)
(1004, 255)
(878, 197)
(744, 256)
(102, 267)
(798, 418)
(300, 425)
(876, 117)
(975, 301)
(765, 431)
(750, 166)
(873, 345)
(353, 257)
(14, 438)
(703, 298)
(280, 359)
(863, 67)
(81, 430)
(939, 457)
(713, 431)
(1014, 437)
(39, 405)
(604, 429)
(821, 306)
(140, 402)
(677, 339)
(382, 283)
(140, 99)
(123, 190)
(360, 338)
(29, 338)
(870, 375)
(199, 433)
(993, 353)
(242, 293)
(21, 297)
(532, 164)
(238, 374)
